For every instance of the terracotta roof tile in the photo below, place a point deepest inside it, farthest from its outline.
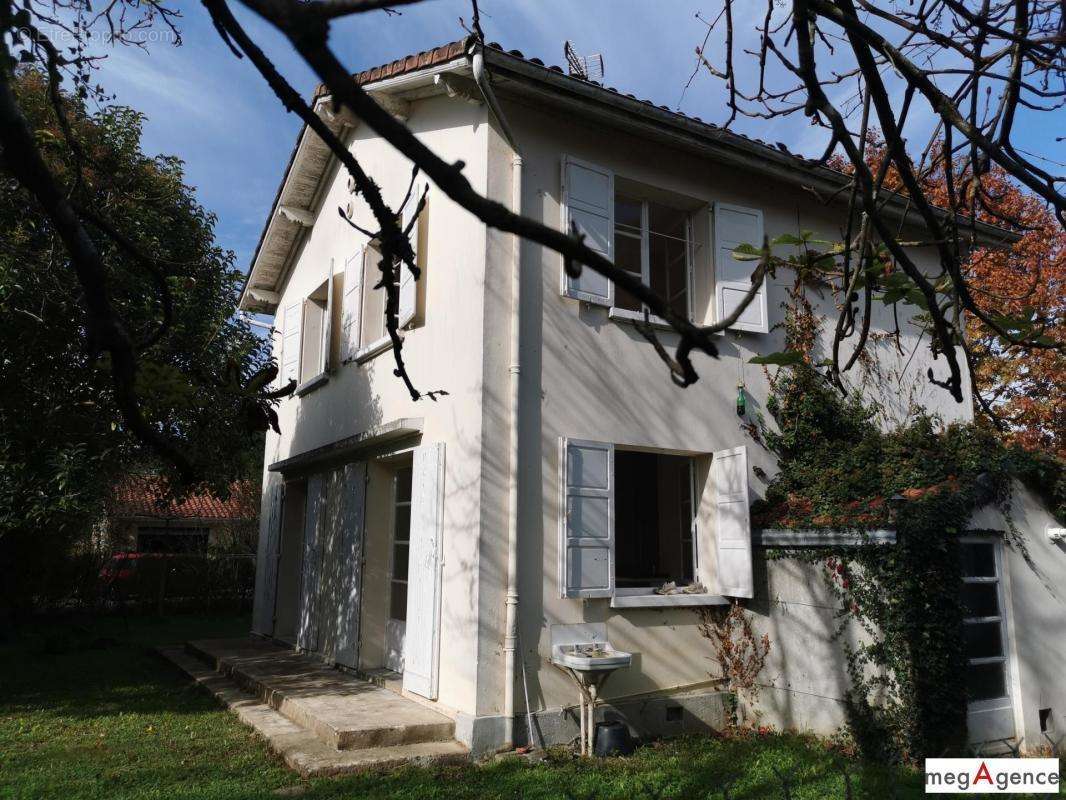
(141, 496)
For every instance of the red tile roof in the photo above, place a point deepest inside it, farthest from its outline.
(412, 63)
(142, 496)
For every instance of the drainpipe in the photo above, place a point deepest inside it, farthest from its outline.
(510, 639)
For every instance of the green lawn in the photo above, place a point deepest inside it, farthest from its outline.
(90, 711)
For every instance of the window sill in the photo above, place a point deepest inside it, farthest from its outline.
(666, 600)
(311, 384)
(625, 315)
(372, 349)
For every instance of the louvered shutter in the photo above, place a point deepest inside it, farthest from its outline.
(307, 635)
(352, 306)
(408, 286)
(587, 527)
(733, 226)
(422, 640)
(267, 559)
(588, 202)
(327, 324)
(350, 557)
(732, 522)
(290, 343)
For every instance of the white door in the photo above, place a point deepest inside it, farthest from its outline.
(396, 624)
(990, 712)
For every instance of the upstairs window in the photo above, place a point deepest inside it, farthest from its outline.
(315, 338)
(363, 330)
(651, 242)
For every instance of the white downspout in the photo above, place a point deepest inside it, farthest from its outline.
(510, 639)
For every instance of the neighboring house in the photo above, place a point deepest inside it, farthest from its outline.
(564, 478)
(138, 521)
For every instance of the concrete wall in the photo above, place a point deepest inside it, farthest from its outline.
(589, 377)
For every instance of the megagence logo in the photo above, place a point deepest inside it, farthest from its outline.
(991, 776)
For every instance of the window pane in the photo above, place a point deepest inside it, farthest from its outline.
(666, 220)
(982, 639)
(373, 317)
(403, 523)
(398, 601)
(979, 599)
(627, 257)
(627, 212)
(403, 484)
(985, 681)
(399, 561)
(668, 272)
(978, 560)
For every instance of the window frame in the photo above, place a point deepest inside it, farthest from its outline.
(616, 312)
(1006, 644)
(693, 505)
(320, 375)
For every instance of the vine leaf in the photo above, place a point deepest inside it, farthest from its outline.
(784, 358)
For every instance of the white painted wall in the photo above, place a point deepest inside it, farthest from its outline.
(586, 376)
(443, 352)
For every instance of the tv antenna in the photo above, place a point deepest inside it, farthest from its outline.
(589, 68)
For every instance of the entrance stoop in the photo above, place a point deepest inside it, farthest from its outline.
(319, 719)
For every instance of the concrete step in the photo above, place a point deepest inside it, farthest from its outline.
(301, 749)
(344, 712)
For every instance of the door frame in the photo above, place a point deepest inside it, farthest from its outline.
(1011, 680)
(394, 627)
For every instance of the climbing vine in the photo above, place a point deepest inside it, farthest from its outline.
(840, 470)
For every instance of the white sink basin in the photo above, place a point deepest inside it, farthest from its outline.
(591, 657)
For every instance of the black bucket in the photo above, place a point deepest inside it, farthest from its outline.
(612, 739)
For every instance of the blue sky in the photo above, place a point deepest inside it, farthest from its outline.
(217, 114)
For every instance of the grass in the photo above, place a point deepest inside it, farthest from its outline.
(90, 711)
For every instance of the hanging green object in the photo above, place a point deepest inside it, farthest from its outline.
(742, 401)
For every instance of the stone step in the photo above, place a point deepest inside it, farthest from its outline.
(344, 712)
(301, 749)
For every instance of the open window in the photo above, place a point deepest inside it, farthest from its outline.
(653, 528)
(364, 333)
(652, 241)
(654, 519)
(644, 230)
(315, 332)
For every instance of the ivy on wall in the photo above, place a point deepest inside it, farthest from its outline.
(840, 470)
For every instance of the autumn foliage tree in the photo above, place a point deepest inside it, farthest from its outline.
(1022, 285)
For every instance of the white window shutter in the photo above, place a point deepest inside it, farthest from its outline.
(408, 287)
(350, 556)
(290, 344)
(421, 652)
(733, 226)
(733, 522)
(586, 546)
(351, 306)
(267, 566)
(588, 202)
(307, 635)
(327, 324)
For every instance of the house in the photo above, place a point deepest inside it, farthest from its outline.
(564, 479)
(139, 521)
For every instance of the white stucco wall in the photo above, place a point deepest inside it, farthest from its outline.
(586, 376)
(443, 352)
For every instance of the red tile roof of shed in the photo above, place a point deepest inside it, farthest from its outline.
(140, 496)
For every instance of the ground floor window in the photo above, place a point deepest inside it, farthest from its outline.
(983, 630)
(172, 540)
(653, 513)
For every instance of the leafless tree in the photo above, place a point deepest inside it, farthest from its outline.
(1016, 45)
(975, 65)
